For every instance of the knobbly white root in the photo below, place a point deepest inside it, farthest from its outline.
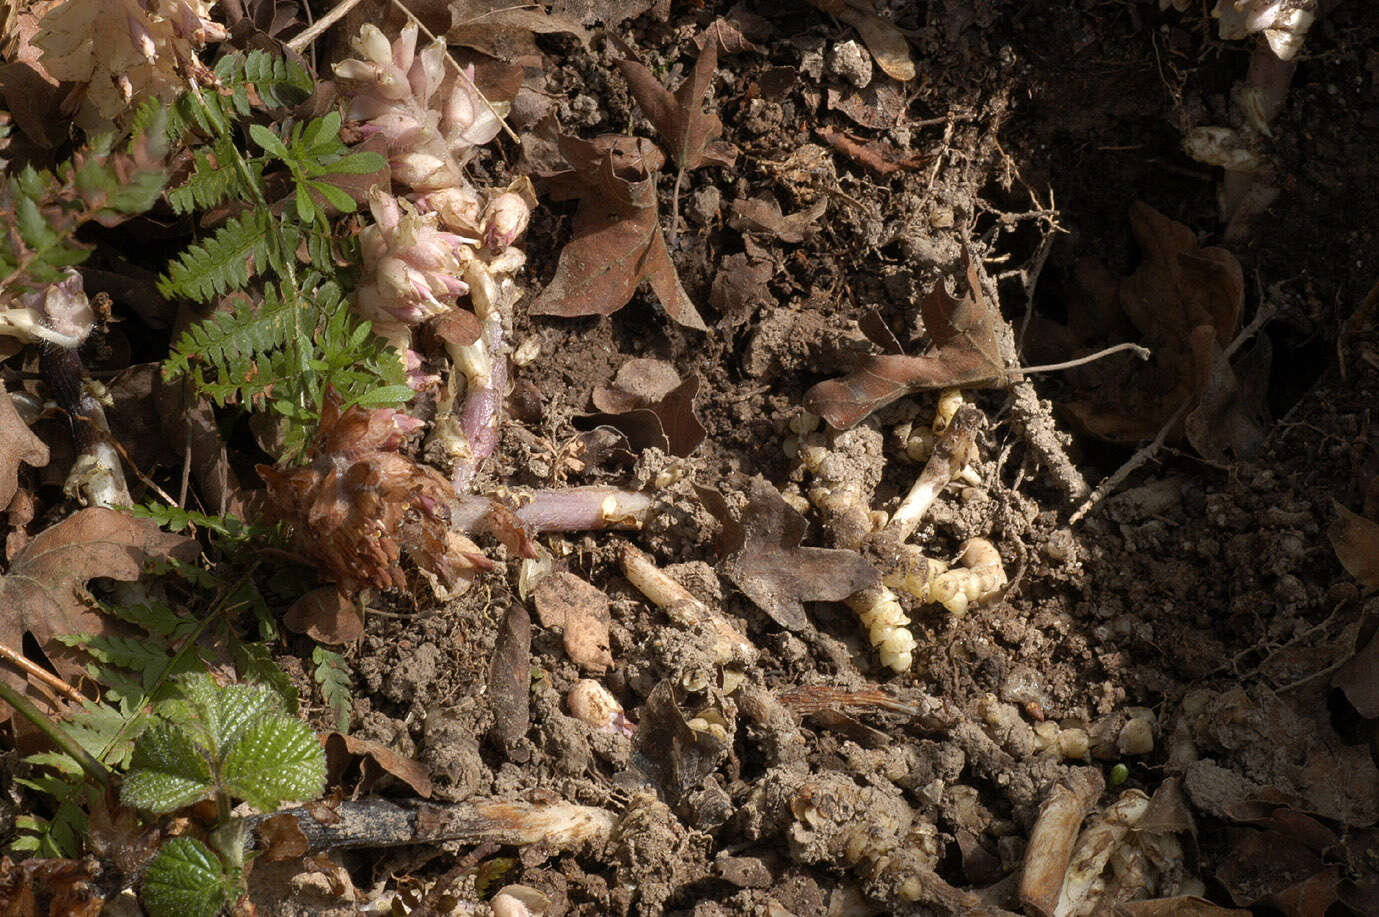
(981, 576)
(879, 610)
(729, 644)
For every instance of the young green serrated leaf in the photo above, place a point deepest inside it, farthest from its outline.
(238, 709)
(168, 771)
(277, 760)
(185, 879)
(361, 163)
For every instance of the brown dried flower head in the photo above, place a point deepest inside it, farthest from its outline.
(360, 505)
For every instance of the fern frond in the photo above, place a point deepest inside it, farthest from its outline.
(212, 181)
(224, 262)
(333, 677)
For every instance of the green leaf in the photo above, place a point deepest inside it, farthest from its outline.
(33, 228)
(223, 262)
(276, 760)
(270, 142)
(168, 771)
(387, 396)
(335, 197)
(185, 879)
(360, 163)
(305, 208)
(226, 712)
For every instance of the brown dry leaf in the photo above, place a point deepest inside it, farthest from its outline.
(680, 119)
(1231, 419)
(41, 593)
(1356, 542)
(807, 699)
(968, 352)
(877, 107)
(764, 559)
(17, 444)
(649, 405)
(741, 285)
(763, 214)
(504, 30)
(564, 600)
(1359, 679)
(885, 42)
(879, 156)
(617, 241)
(1177, 288)
(375, 760)
(281, 838)
(509, 677)
(326, 615)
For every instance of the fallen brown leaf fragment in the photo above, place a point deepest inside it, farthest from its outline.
(882, 158)
(1359, 680)
(740, 285)
(326, 615)
(564, 600)
(764, 559)
(1178, 288)
(505, 30)
(375, 760)
(763, 214)
(968, 352)
(509, 677)
(650, 406)
(617, 241)
(686, 128)
(17, 444)
(1231, 419)
(885, 42)
(43, 593)
(1355, 540)
(281, 838)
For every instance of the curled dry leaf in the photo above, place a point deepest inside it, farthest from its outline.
(764, 559)
(509, 677)
(41, 594)
(617, 241)
(649, 405)
(970, 350)
(1231, 419)
(885, 42)
(741, 284)
(17, 444)
(564, 600)
(281, 838)
(1359, 680)
(375, 760)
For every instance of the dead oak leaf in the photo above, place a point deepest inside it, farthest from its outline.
(17, 444)
(764, 559)
(650, 406)
(679, 118)
(41, 594)
(885, 42)
(617, 241)
(971, 349)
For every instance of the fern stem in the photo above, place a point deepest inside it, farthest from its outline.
(55, 733)
(286, 256)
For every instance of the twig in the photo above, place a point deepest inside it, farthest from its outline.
(458, 69)
(314, 31)
(42, 674)
(1262, 317)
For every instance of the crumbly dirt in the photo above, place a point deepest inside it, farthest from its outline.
(1199, 581)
